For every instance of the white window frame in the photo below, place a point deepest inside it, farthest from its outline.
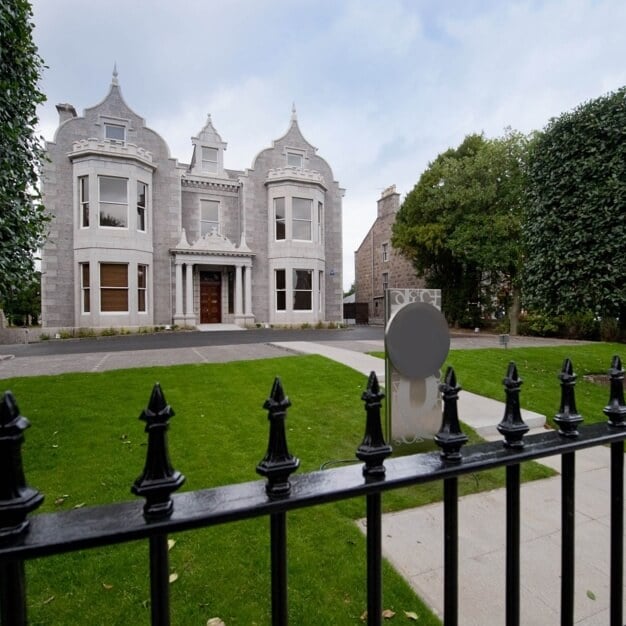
(116, 125)
(282, 289)
(385, 281)
(142, 290)
(385, 252)
(85, 289)
(121, 311)
(301, 220)
(143, 210)
(297, 291)
(295, 155)
(320, 221)
(282, 220)
(83, 201)
(100, 202)
(214, 223)
(209, 165)
(320, 291)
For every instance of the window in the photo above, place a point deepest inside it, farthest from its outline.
(142, 194)
(209, 216)
(385, 252)
(281, 290)
(113, 287)
(209, 160)
(385, 281)
(320, 221)
(117, 132)
(84, 287)
(302, 290)
(301, 218)
(113, 201)
(83, 200)
(142, 288)
(279, 218)
(320, 292)
(294, 159)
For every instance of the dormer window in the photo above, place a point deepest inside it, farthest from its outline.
(209, 160)
(116, 132)
(294, 159)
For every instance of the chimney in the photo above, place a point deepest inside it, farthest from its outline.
(66, 112)
(389, 201)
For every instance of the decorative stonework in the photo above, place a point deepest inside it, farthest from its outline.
(110, 147)
(211, 242)
(212, 185)
(297, 174)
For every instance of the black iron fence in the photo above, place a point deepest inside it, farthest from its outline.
(42, 535)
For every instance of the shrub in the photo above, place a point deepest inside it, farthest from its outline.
(305, 325)
(108, 332)
(86, 332)
(609, 329)
(44, 337)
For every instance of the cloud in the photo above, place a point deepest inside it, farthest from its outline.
(380, 88)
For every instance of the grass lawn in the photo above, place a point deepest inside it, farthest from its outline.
(481, 371)
(86, 447)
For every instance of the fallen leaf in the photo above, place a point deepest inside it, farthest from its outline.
(171, 543)
(59, 501)
(388, 613)
(173, 577)
(411, 615)
(107, 586)
(215, 621)
(54, 445)
(364, 616)
(591, 595)
(79, 506)
(48, 600)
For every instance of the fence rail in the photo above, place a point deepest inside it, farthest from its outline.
(42, 535)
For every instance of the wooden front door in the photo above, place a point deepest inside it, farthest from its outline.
(210, 297)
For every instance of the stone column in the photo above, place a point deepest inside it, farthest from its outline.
(238, 294)
(189, 316)
(178, 286)
(248, 291)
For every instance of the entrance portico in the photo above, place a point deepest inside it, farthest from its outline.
(212, 281)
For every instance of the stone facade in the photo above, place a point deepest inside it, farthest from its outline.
(377, 264)
(139, 239)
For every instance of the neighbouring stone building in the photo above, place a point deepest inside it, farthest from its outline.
(138, 239)
(377, 265)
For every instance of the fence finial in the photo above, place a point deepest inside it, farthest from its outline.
(17, 499)
(373, 449)
(567, 418)
(616, 408)
(450, 438)
(512, 425)
(159, 479)
(277, 464)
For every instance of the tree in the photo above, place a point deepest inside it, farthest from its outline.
(22, 217)
(461, 226)
(23, 307)
(575, 230)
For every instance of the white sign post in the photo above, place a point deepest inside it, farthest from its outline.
(417, 342)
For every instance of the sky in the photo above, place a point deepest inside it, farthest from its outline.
(381, 87)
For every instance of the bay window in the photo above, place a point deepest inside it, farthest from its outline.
(279, 218)
(281, 290)
(301, 218)
(113, 287)
(302, 290)
(142, 195)
(113, 201)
